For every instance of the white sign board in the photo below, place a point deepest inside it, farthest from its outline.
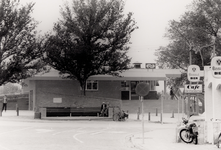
(193, 88)
(57, 100)
(193, 73)
(216, 67)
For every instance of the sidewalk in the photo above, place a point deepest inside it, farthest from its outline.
(26, 115)
(22, 115)
(164, 139)
(163, 136)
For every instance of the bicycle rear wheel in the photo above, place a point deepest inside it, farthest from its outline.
(115, 117)
(185, 136)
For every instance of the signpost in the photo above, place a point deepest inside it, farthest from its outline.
(142, 89)
(193, 75)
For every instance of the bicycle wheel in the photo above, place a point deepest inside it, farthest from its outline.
(185, 136)
(218, 143)
(116, 117)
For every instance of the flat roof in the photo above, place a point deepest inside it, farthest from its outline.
(131, 74)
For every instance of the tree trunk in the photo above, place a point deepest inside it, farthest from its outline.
(83, 87)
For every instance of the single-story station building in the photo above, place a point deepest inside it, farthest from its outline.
(50, 90)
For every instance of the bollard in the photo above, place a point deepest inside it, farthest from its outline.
(127, 114)
(149, 116)
(17, 109)
(156, 112)
(138, 114)
(172, 114)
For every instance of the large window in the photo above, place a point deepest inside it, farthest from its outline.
(152, 85)
(91, 85)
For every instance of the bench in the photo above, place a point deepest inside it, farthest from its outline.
(57, 111)
(85, 111)
(72, 111)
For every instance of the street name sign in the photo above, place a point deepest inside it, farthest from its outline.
(193, 88)
(193, 73)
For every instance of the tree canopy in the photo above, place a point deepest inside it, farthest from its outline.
(19, 46)
(91, 38)
(198, 32)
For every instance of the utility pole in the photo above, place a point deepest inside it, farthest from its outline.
(188, 102)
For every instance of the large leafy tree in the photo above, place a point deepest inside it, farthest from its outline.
(19, 46)
(91, 38)
(196, 33)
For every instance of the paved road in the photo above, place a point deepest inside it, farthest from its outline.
(68, 135)
(26, 133)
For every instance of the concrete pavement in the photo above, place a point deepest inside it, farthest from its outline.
(162, 136)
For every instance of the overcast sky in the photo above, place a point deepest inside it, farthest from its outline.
(152, 18)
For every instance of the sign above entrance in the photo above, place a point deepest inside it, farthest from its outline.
(193, 88)
(193, 73)
(216, 66)
(142, 89)
(150, 66)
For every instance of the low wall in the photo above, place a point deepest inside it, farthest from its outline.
(79, 101)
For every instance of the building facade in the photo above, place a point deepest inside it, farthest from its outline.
(50, 90)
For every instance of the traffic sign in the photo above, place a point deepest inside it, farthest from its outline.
(193, 73)
(216, 67)
(142, 89)
(193, 88)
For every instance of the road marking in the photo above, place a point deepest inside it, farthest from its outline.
(92, 133)
(75, 137)
(116, 132)
(43, 130)
(68, 131)
(17, 130)
(4, 148)
(98, 132)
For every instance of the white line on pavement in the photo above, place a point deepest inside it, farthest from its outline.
(16, 130)
(75, 137)
(4, 148)
(98, 132)
(92, 133)
(68, 131)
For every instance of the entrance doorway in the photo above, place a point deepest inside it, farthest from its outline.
(133, 85)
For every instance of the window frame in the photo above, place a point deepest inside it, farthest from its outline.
(92, 82)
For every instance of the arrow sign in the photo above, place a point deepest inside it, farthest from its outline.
(193, 88)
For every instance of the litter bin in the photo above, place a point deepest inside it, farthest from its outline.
(37, 115)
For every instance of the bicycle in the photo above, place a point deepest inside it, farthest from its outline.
(190, 133)
(120, 116)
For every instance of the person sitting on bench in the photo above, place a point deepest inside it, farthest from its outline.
(103, 110)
